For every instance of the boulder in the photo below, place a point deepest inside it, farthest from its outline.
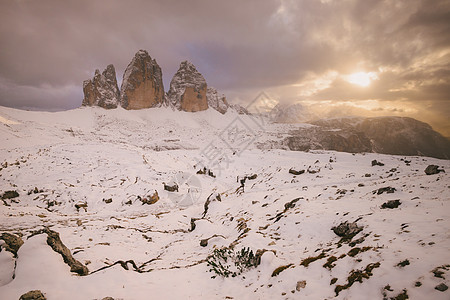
(142, 85)
(346, 229)
(33, 295)
(433, 169)
(188, 89)
(102, 90)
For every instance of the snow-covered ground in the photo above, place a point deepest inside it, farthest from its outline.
(90, 155)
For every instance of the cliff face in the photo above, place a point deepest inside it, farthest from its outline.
(142, 85)
(102, 90)
(188, 89)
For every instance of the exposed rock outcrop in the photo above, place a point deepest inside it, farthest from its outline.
(216, 101)
(188, 89)
(12, 242)
(33, 295)
(142, 85)
(102, 90)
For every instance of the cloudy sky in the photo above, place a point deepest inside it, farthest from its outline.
(364, 57)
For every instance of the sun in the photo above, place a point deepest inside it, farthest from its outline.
(361, 78)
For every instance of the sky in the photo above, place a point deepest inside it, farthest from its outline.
(346, 57)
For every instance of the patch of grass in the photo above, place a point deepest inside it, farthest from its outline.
(357, 275)
(311, 259)
(280, 269)
(355, 251)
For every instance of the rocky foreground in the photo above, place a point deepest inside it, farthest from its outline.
(127, 204)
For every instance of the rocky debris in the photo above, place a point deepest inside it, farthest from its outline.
(107, 201)
(242, 181)
(108, 298)
(54, 241)
(433, 169)
(206, 171)
(403, 263)
(102, 90)
(216, 101)
(188, 89)
(142, 85)
(377, 163)
(33, 295)
(313, 169)
(347, 230)
(193, 220)
(152, 199)
(12, 242)
(391, 204)
(387, 190)
(441, 287)
(81, 204)
(10, 195)
(295, 172)
(300, 285)
(239, 109)
(171, 188)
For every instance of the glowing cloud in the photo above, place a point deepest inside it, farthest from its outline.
(361, 78)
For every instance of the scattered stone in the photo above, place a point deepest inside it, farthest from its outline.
(330, 262)
(391, 204)
(333, 281)
(355, 251)
(295, 172)
(10, 195)
(402, 296)
(441, 287)
(347, 230)
(152, 199)
(367, 175)
(206, 171)
(377, 163)
(438, 271)
(33, 295)
(204, 242)
(12, 242)
(54, 241)
(81, 205)
(79, 223)
(300, 285)
(107, 201)
(433, 169)
(387, 190)
(418, 284)
(403, 263)
(108, 298)
(35, 191)
(171, 188)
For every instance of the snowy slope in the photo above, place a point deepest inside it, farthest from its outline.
(89, 155)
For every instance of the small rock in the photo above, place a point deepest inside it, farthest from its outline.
(79, 223)
(387, 190)
(108, 298)
(295, 172)
(10, 195)
(433, 169)
(346, 229)
(204, 242)
(107, 201)
(81, 205)
(300, 285)
(391, 204)
(152, 199)
(441, 287)
(33, 295)
(377, 163)
(171, 188)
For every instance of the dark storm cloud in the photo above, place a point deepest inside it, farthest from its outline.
(241, 47)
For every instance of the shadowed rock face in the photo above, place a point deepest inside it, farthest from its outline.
(216, 101)
(188, 89)
(102, 90)
(142, 85)
(387, 135)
